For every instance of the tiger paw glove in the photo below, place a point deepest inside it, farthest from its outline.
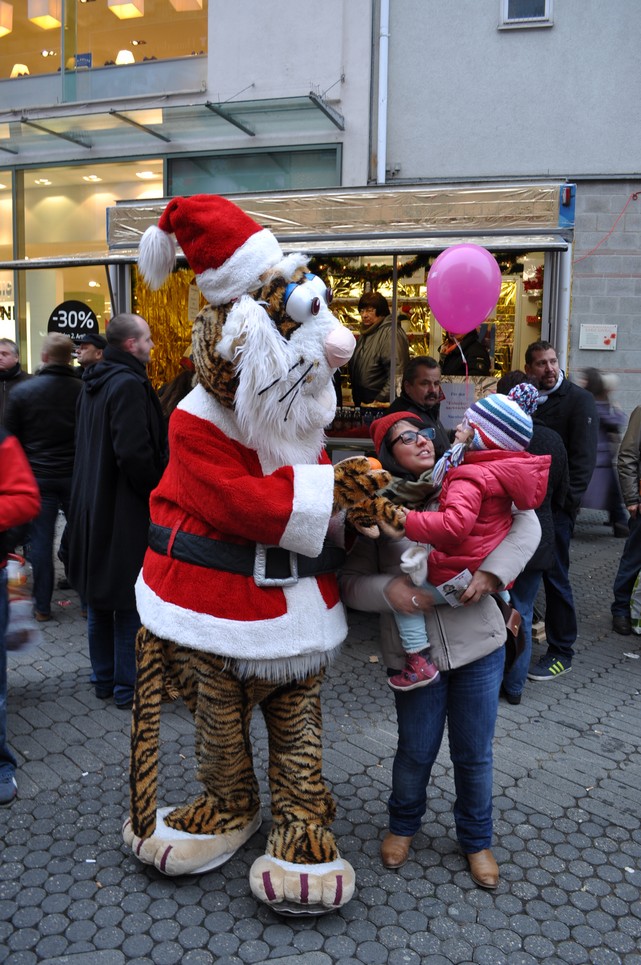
(356, 491)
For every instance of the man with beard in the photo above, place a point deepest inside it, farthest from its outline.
(571, 411)
(422, 394)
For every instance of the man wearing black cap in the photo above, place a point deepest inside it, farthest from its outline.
(89, 349)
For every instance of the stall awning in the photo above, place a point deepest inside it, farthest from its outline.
(390, 220)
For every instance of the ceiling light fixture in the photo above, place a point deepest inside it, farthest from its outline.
(91, 177)
(6, 18)
(125, 57)
(127, 9)
(147, 175)
(19, 70)
(45, 13)
(42, 181)
(183, 5)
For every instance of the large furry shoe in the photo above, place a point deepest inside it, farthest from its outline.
(301, 889)
(180, 853)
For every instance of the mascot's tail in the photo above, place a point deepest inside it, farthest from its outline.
(145, 733)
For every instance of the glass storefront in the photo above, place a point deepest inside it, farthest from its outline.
(95, 34)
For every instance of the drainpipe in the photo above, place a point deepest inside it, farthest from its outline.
(563, 319)
(383, 50)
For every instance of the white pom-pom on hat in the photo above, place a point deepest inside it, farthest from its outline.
(156, 256)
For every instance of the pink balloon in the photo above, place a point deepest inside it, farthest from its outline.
(463, 287)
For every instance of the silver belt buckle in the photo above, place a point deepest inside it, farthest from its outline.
(260, 568)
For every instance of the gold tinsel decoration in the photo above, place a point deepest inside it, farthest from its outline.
(166, 312)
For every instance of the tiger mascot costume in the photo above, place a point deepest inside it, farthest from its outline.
(238, 595)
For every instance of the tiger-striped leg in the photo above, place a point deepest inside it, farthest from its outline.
(223, 751)
(301, 871)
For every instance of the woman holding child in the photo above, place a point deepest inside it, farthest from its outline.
(466, 645)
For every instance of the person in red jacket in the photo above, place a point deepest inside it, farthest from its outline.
(485, 472)
(19, 503)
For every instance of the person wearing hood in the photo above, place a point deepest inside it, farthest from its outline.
(422, 395)
(121, 453)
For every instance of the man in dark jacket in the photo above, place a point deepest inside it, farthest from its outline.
(121, 452)
(525, 588)
(11, 373)
(42, 414)
(570, 411)
(422, 394)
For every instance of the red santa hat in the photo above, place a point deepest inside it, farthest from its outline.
(226, 249)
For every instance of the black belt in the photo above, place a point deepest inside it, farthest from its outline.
(269, 565)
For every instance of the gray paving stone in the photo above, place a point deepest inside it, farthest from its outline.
(567, 822)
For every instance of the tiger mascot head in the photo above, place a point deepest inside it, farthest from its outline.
(266, 345)
(247, 482)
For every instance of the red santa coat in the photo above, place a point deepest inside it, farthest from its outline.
(215, 486)
(475, 508)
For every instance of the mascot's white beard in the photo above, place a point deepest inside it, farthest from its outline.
(285, 396)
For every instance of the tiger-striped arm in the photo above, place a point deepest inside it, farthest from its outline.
(357, 491)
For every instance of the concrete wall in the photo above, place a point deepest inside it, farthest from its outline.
(606, 286)
(469, 101)
(281, 49)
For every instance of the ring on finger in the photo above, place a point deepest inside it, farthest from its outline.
(415, 602)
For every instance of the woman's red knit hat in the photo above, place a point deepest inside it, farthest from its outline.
(379, 427)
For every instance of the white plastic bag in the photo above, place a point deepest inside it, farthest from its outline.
(23, 633)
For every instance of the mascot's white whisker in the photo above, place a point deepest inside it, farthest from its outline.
(296, 384)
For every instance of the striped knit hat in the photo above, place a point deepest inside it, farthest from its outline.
(499, 423)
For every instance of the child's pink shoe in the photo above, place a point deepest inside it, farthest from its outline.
(418, 672)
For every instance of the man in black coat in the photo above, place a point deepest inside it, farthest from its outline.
(422, 394)
(571, 411)
(42, 414)
(121, 452)
(11, 373)
(544, 442)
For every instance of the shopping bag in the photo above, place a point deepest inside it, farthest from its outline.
(23, 633)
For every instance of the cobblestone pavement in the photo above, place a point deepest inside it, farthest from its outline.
(567, 809)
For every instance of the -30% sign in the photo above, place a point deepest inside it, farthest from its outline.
(72, 318)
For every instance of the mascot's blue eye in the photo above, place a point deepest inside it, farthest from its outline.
(303, 301)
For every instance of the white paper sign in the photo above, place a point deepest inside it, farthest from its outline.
(601, 337)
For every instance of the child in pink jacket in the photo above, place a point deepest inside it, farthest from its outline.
(485, 472)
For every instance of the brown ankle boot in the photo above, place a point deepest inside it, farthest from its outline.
(395, 849)
(483, 868)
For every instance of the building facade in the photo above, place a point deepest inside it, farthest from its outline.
(109, 102)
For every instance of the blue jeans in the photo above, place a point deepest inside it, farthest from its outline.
(560, 615)
(467, 698)
(523, 594)
(54, 495)
(7, 760)
(112, 651)
(629, 568)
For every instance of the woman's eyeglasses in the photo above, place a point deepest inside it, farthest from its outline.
(410, 436)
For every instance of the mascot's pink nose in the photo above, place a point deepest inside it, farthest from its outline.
(339, 346)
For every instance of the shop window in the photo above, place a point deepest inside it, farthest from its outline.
(526, 13)
(237, 173)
